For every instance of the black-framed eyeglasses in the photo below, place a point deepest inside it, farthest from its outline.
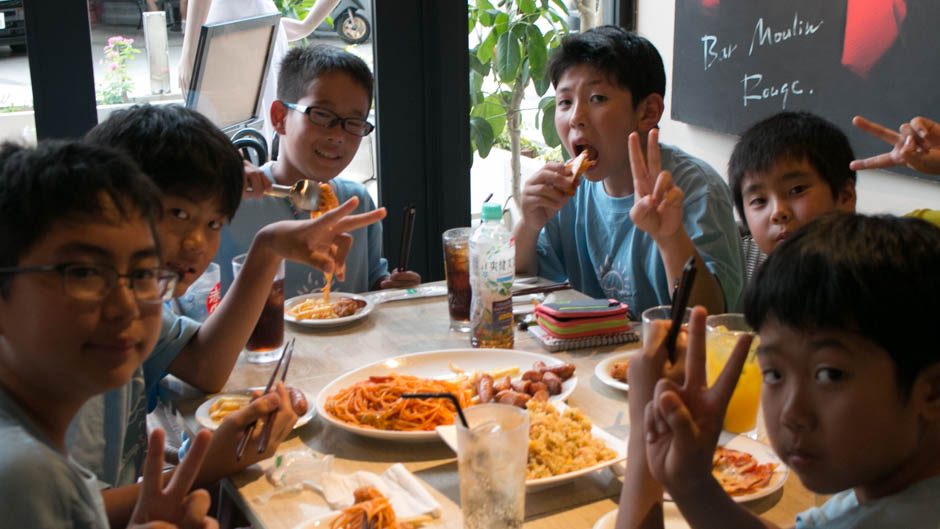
(328, 118)
(93, 281)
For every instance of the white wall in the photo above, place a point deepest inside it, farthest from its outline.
(878, 191)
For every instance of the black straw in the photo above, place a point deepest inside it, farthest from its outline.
(679, 302)
(440, 396)
(407, 233)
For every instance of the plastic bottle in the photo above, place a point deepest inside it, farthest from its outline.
(492, 270)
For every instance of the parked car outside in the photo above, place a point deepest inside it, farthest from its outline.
(12, 25)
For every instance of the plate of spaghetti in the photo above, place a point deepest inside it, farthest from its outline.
(367, 401)
(370, 510)
(321, 310)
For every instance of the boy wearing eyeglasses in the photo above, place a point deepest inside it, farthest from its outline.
(324, 95)
(81, 292)
(200, 175)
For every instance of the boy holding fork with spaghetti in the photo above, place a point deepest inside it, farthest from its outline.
(201, 177)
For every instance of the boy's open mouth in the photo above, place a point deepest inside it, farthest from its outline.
(591, 151)
(329, 156)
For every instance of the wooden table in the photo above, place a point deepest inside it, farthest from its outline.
(411, 326)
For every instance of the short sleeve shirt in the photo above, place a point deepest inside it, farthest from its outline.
(593, 243)
(40, 486)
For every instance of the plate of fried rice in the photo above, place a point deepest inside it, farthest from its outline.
(563, 445)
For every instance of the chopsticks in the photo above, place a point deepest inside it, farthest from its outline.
(542, 289)
(679, 302)
(407, 233)
(287, 350)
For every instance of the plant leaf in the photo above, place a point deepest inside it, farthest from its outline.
(485, 51)
(477, 66)
(493, 111)
(538, 53)
(527, 6)
(482, 135)
(549, 134)
(508, 56)
(561, 4)
(541, 84)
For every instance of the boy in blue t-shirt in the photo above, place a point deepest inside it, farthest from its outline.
(627, 232)
(324, 95)
(81, 290)
(201, 178)
(851, 387)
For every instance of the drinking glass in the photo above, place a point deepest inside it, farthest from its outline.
(661, 312)
(457, 270)
(491, 463)
(721, 335)
(265, 341)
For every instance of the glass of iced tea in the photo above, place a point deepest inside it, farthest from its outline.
(268, 335)
(457, 269)
(722, 333)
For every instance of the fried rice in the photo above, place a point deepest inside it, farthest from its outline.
(561, 442)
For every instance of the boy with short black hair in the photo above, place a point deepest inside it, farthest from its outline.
(851, 391)
(81, 290)
(201, 176)
(788, 169)
(324, 95)
(627, 232)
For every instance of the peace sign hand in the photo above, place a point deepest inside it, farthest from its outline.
(683, 423)
(916, 145)
(173, 506)
(657, 208)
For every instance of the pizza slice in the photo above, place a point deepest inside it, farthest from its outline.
(739, 473)
(578, 165)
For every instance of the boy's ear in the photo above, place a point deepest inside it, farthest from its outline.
(648, 113)
(845, 200)
(927, 389)
(278, 116)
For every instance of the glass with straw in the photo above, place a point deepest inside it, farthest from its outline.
(492, 450)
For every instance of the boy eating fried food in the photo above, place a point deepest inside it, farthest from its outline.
(851, 392)
(627, 231)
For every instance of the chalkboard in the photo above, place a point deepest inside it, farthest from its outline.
(738, 61)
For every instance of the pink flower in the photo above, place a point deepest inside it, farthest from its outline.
(114, 39)
(113, 66)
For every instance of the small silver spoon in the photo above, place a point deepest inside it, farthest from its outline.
(304, 194)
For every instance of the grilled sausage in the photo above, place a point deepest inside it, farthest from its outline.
(564, 371)
(512, 397)
(553, 382)
(522, 386)
(298, 400)
(532, 375)
(485, 388)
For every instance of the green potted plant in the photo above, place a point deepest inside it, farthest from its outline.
(515, 41)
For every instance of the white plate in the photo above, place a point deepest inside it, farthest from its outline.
(603, 369)
(449, 435)
(672, 518)
(763, 454)
(202, 412)
(434, 364)
(334, 322)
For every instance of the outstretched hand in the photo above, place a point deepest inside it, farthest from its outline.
(916, 144)
(683, 423)
(160, 507)
(657, 208)
(401, 279)
(323, 242)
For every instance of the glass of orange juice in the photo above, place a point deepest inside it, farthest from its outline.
(722, 333)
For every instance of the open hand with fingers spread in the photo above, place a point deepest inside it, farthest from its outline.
(657, 207)
(916, 145)
(160, 507)
(683, 423)
(323, 242)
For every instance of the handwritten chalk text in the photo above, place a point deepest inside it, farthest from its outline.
(753, 92)
(711, 55)
(767, 36)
